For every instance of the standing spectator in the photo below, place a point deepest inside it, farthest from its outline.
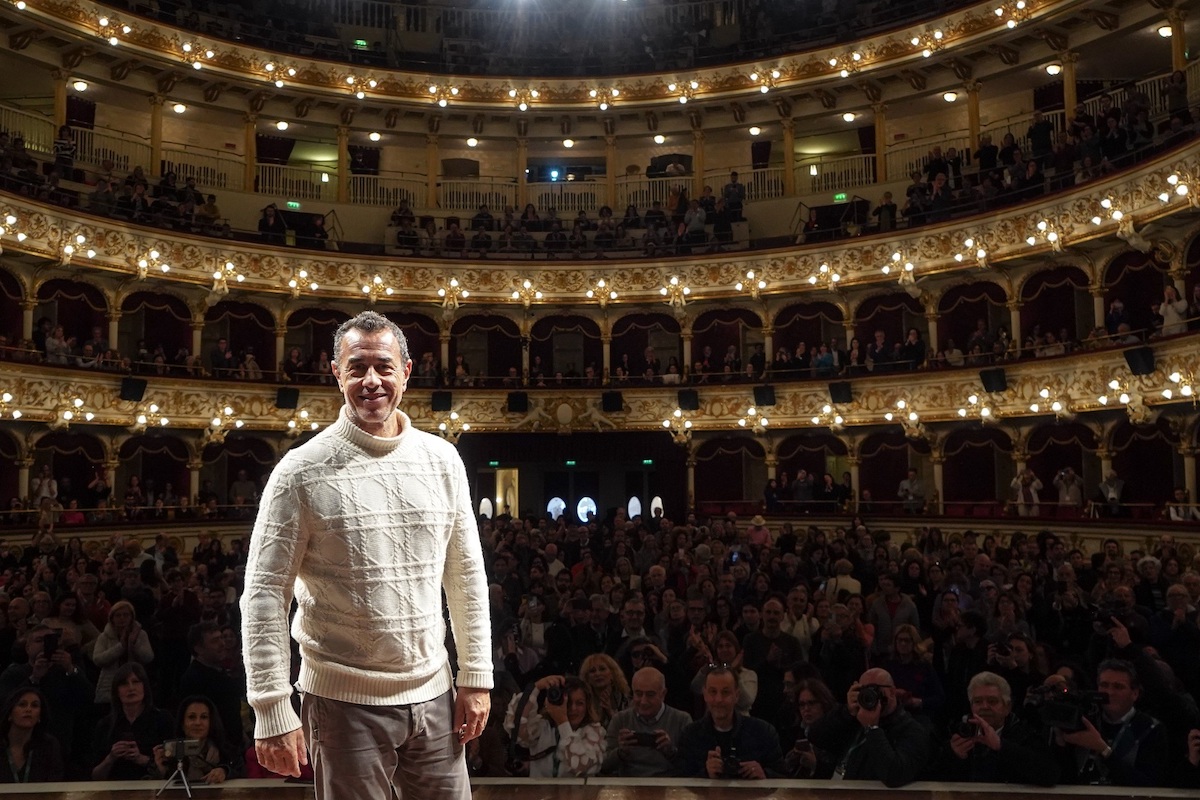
(734, 195)
(271, 227)
(64, 151)
(1172, 309)
(122, 642)
(890, 611)
(1041, 138)
(43, 485)
(912, 492)
(1026, 485)
(221, 360)
(1070, 489)
(886, 212)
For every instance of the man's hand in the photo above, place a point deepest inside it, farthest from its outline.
(852, 699)
(1119, 634)
(987, 735)
(471, 709)
(284, 754)
(1089, 738)
(1193, 751)
(713, 765)
(752, 770)
(216, 775)
(960, 746)
(41, 665)
(869, 718)
(662, 742)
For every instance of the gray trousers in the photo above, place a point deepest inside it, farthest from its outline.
(379, 752)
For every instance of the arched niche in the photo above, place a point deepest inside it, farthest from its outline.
(422, 334)
(1056, 300)
(222, 461)
(77, 306)
(1137, 279)
(309, 335)
(1145, 457)
(816, 452)
(247, 326)
(11, 314)
(488, 344)
(10, 452)
(885, 459)
(154, 321)
(963, 306)
(893, 313)
(730, 469)
(74, 456)
(810, 323)
(567, 343)
(1054, 446)
(977, 471)
(159, 460)
(632, 334)
(724, 335)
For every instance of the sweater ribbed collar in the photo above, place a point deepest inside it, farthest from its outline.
(344, 428)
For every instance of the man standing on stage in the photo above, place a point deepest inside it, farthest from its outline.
(367, 524)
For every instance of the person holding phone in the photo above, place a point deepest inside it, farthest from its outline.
(124, 741)
(642, 739)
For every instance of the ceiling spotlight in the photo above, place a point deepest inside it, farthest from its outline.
(281, 125)
(950, 97)
(755, 130)
(1165, 31)
(849, 116)
(1053, 69)
(80, 86)
(568, 142)
(179, 108)
(659, 138)
(472, 142)
(374, 136)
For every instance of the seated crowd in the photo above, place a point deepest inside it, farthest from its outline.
(708, 648)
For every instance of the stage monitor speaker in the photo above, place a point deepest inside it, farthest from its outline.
(689, 400)
(994, 379)
(518, 403)
(133, 389)
(840, 392)
(287, 397)
(764, 395)
(1140, 360)
(612, 402)
(441, 401)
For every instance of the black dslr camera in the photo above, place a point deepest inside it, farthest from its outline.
(967, 729)
(1062, 708)
(554, 696)
(870, 696)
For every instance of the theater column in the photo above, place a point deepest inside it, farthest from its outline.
(697, 162)
(938, 459)
(1189, 471)
(114, 318)
(691, 480)
(1105, 457)
(432, 168)
(606, 355)
(444, 341)
(194, 466)
(198, 336)
(522, 180)
(250, 175)
(1070, 85)
(881, 172)
(156, 144)
(61, 77)
(343, 164)
(685, 335)
(973, 127)
(525, 359)
(1014, 320)
(854, 462)
(1175, 17)
(768, 344)
(280, 347)
(28, 306)
(610, 173)
(772, 463)
(1097, 291)
(931, 317)
(23, 467)
(789, 156)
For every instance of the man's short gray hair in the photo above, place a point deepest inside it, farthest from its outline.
(369, 322)
(991, 679)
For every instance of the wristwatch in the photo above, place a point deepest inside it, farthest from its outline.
(1106, 752)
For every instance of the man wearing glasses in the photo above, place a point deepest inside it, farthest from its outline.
(642, 738)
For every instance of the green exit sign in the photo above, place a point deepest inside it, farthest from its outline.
(493, 463)
(840, 197)
(293, 204)
(648, 461)
(570, 463)
(360, 44)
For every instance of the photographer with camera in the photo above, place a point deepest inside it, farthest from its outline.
(725, 744)
(875, 738)
(993, 745)
(560, 728)
(642, 738)
(201, 745)
(1012, 658)
(1070, 488)
(1122, 746)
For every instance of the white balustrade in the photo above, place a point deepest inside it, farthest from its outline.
(212, 169)
(834, 173)
(37, 130)
(568, 196)
(94, 146)
(641, 192)
(295, 183)
(468, 194)
(905, 158)
(388, 189)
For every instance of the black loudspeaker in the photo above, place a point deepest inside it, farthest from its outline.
(689, 400)
(612, 402)
(518, 403)
(764, 395)
(441, 401)
(287, 397)
(994, 379)
(133, 389)
(1140, 360)
(840, 392)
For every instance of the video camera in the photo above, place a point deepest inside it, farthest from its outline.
(1062, 708)
(181, 748)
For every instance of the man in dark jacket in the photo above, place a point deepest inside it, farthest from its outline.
(883, 742)
(725, 744)
(992, 745)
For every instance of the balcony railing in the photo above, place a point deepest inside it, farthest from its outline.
(568, 196)
(468, 194)
(388, 189)
(296, 183)
(37, 131)
(211, 169)
(834, 173)
(95, 146)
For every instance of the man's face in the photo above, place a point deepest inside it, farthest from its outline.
(372, 374)
(696, 612)
(750, 617)
(212, 648)
(1121, 694)
(633, 615)
(648, 694)
(726, 584)
(989, 705)
(1020, 652)
(599, 613)
(720, 695)
(772, 616)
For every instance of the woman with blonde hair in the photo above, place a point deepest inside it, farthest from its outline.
(123, 641)
(608, 691)
(918, 688)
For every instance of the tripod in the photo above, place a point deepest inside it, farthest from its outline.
(181, 774)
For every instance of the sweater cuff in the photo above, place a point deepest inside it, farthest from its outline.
(475, 680)
(275, 719)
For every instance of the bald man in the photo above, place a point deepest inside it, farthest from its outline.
(876, 740)
(642, 738)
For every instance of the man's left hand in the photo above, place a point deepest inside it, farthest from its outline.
(752, 770)
(1089, 738)
(868, 718)
(471, 709)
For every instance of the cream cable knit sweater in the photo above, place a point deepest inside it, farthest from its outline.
(366, 532)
